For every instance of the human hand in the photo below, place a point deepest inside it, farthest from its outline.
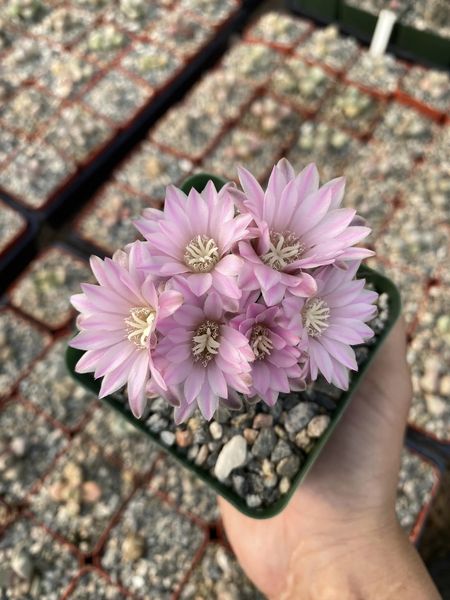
(339, 537)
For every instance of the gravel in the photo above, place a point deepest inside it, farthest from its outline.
(326, 46)
(82, 494)
(35, 173)
(20, 344)
(50, 387)
(412, 239)
(152, 548)
(352, 109)
(44, 291)
(64, 25)
(28, 446)
(117, 438)
(78, 133)
(304, 85)
(333, 148)
(33, 565)
(412, 287)
(12, 225)
(151, 63)
(429, 87)
(104, 44)
(243, 147)
(218, 575)
(93, 585)
(182, 32)
(28, 110)
(185, 490)
(428, 355)
(378, 73)
(67, 75)
(254, 62)
(107, 221)
(272, 119)
(118, 97)
(8, 145)
(149, 170)
(416, 480)
(406, 126)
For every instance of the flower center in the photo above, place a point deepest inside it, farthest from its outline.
(260, 342)
(284, 248)
(315, 316)
(201, 254)
(140, 325)
(205, 344)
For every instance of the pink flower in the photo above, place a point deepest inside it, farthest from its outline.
(275, 344)
(117, 325)
(299, 226)
(206, 360)
(333, 320)
(194, 236)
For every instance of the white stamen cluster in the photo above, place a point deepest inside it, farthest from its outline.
(260, 342)
(205, 344)
(315, 316)
(284, 249)
(201, 254)
(140, 325)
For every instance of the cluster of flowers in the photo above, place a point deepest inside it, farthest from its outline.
(232, 293)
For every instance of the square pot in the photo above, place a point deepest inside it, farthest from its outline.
(380, 283)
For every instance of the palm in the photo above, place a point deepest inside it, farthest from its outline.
(353, 481)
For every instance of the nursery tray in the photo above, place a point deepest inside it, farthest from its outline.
(411, 42)
(380, 283)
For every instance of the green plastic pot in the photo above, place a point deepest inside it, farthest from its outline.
(381, 285)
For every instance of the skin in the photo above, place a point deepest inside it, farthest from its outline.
(339, 536)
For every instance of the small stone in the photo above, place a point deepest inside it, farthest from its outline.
(216, 430)
(270, 478)
(232, 455)
(318, 425)
(281, 432)
(436, 406)
(167, 437)
(288, 467)
(192, 452)
(262, 420)
(22, 564)
(184, 438)
(444, 387)
(430, 380)
(253, 501)
(302, 440)
(72, 507)
(239, 484)
(284, 486)
(202, 455)
(264, 443)
(91, 492)
(19, 446)
(56, 491)
(73, 474)
(299, 416)
(241, 421)
(281, 450)
(133, 547)
(250, 435)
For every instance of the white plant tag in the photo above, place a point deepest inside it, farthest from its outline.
(382, 33)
